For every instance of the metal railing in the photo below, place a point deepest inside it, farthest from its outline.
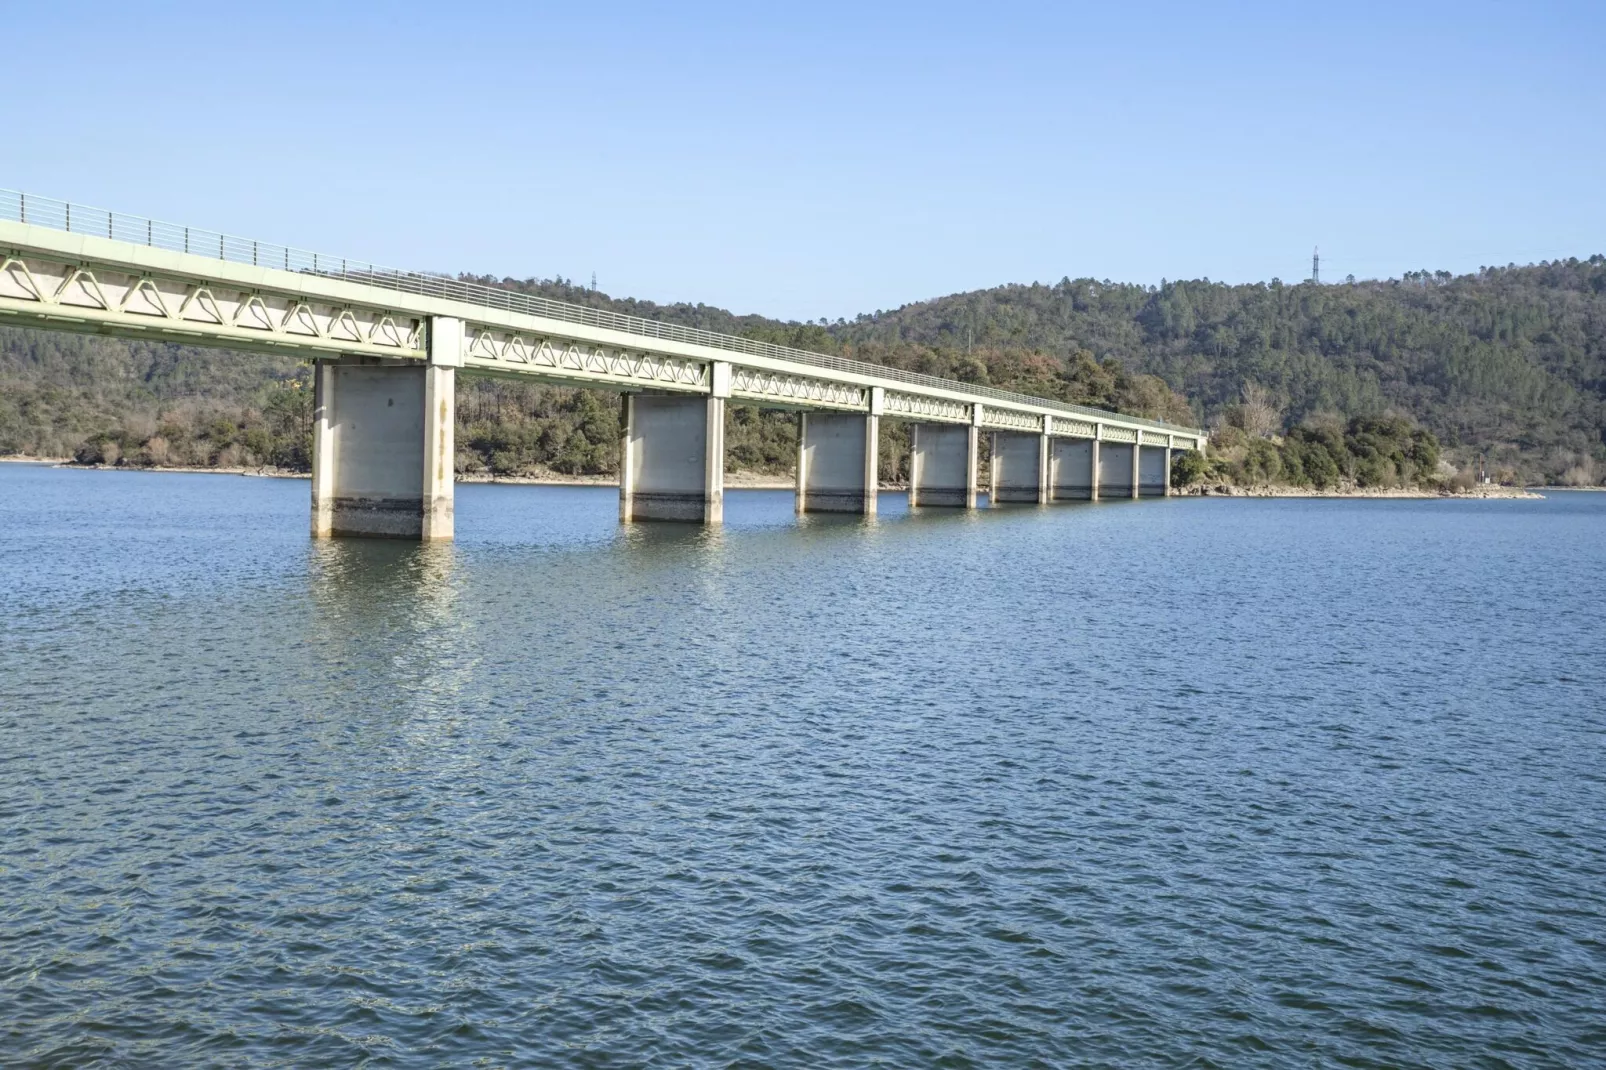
(78, 219)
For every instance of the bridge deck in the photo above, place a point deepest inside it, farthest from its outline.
(67, 267)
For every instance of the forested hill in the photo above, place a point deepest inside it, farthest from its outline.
(1510, 362)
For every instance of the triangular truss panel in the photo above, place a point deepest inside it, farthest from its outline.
(16, 281)
(81, 290)
(343, 328)
(300, 320)
(200, 307)
(252, 314)
(144, 299)
(386, 333)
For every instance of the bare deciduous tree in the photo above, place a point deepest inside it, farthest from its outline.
(1258, 413)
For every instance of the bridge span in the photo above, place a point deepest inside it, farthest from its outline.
(387, 346)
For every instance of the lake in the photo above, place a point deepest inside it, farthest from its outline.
(1198, 782)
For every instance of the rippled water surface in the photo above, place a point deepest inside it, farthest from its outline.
(1185, 783)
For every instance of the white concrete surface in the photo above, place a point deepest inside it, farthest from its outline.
(369, 450)
(942, 465)
(672, 458)
(1017, 473)
(1153, 466)
(1116, 478)
(837, 462)
(1071, 469)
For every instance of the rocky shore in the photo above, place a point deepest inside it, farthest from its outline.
(771, 481)
(1227, 490)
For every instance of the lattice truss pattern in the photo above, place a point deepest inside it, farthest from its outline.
(57, 292)
(1072, 428)
(1010, 419)
(565, 359)
(782, 388)
(1180, 442)
(924, 408)
(179, 308)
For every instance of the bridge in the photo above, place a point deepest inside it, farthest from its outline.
(387, 346)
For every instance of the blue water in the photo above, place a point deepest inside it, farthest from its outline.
(1176, 783)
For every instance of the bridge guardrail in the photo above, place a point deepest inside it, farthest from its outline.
(79, 219)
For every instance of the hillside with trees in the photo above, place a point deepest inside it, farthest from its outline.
(1509, 363)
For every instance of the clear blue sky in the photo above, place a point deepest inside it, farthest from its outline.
(827, 159)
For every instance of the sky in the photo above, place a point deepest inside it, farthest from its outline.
(830, 159)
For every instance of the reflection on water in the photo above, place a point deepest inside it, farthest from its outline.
(390, 608)
(1181, 783)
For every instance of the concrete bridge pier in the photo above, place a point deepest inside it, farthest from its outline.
(383, 443)
(1117, 470)
(1073, 469)
(942, 465)
(672, 458)
(1154, 472)
(1020, 468)
(837, 462)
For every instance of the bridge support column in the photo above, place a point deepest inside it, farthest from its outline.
(1093, 477)
(1017, 469)
(942, 465)
(672, 458)
(1117, 470)
(1137, 468)
(837, 454)
(1154, 472)
(1045, 444)
(383, 443)
(1074, 469)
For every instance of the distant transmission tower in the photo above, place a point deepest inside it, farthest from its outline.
(1316, 264)
(593, 280)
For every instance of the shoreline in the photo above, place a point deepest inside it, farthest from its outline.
(733, 480)
(742, 480)
(1408, 494)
